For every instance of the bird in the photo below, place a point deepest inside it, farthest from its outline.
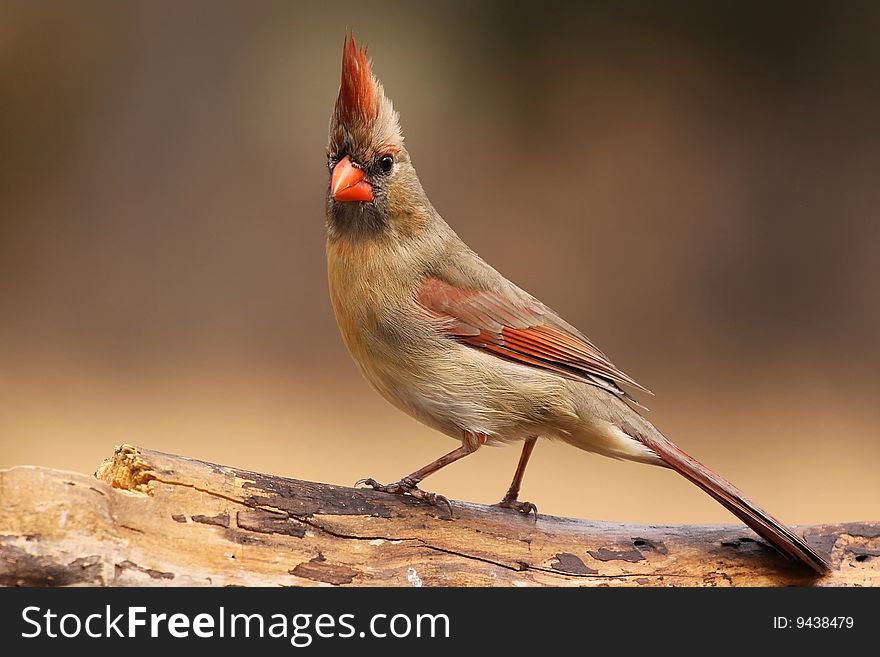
(444, 337)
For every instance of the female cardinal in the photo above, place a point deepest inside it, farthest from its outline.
(446, 338)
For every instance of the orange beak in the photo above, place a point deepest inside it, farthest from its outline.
(347, 183)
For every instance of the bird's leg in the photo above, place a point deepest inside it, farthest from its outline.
(470, 443)
(511, 500)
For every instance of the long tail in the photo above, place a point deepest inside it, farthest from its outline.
(765, 525)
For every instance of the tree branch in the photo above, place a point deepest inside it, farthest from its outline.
(153, 519)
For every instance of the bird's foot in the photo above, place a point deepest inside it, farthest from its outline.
(407, 486)
(523, 507)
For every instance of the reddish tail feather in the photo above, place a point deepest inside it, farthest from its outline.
(765, 525)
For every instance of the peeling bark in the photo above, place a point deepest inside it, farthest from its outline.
(154, 519)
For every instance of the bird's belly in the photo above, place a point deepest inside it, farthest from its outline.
(457, 389)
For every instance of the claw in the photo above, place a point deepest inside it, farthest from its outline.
(407, 486)
(436, 500)
(522, 507)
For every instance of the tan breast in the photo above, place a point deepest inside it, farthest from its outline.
(370, 295)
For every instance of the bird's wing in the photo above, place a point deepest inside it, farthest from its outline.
(522, 330)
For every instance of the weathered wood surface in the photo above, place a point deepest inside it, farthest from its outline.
(153, 519)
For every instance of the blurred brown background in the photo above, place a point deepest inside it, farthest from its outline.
(696, 188)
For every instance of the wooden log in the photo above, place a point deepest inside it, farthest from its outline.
(153, 519)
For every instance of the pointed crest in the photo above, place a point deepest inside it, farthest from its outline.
(358, 98)
(364, 117)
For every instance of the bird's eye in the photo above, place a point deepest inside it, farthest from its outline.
(386, 162)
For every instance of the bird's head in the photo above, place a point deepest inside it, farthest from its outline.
(372, 182)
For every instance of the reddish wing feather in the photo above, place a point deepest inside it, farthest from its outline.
(520, 332)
